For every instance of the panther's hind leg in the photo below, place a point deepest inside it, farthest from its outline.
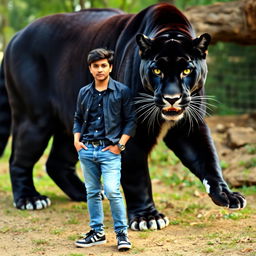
(61, 166)
(28, 143)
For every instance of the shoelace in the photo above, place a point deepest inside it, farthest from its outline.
(91, 232)
(122, 237)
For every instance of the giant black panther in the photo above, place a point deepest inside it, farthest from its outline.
(156, 54)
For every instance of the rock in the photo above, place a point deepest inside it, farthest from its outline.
(221, 128)
(240, 136)
(240, 178)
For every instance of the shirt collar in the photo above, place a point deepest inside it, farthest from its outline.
(111, 85)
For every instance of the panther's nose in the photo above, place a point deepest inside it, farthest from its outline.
(172, 99)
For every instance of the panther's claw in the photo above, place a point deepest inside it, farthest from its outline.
(231, 200)
(152, 222)
(33, 203)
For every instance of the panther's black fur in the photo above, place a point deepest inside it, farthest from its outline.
(156, 54)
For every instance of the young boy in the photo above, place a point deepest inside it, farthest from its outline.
(103, 123)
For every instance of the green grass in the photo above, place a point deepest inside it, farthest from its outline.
(249, 163)
(251, 148)
(38, 242)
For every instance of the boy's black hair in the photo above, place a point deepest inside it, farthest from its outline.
(99, 54)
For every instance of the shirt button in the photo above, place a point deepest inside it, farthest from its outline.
(99, 105)
(96, 131)
(98, 117)
(99, 94)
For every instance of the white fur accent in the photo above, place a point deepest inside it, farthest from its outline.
(39, 205)
(207, 186)
(152, 225)
(240, 206)
(48, 201)
(245, 203)
(143, 225)
(44, 203)
(161, 223)
(172, 118)
(29, 206)
(167, 222)
(134, 225)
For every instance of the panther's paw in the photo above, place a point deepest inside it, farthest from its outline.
(32, 203)
(231, 200)
(151, 222)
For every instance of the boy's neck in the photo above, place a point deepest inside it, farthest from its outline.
(101, 85)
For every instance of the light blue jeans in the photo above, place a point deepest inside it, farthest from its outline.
(96, 163)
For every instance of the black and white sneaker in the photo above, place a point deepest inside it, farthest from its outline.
(123, 243)
(91, 238)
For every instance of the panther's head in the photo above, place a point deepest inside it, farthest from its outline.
(173, 70)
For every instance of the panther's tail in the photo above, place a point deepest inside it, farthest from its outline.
(5, 112)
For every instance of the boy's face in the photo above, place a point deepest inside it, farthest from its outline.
(100, 69)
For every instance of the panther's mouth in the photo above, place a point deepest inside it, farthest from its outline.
(172, 111)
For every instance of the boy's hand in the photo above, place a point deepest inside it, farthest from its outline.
(79, 145)
(112, 148)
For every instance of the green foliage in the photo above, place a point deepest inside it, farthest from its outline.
(249, 164)
(251, 190)
(251, 148)
(231, 78)
(224, 165)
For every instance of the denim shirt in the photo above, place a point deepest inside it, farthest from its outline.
(119, 114)
(95, 130)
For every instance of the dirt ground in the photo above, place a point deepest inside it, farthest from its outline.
(197, 226)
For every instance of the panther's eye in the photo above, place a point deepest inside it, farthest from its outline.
(157, 71)
(186, 71)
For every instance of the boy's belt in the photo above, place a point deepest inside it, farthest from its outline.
(97, 143)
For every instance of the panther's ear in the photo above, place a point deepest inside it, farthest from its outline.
(201, 44)
(144, 44)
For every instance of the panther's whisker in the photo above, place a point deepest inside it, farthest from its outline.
(142, 108)
(199, 107)
(146, 113)
(143, 114)
(153, 118)
(187, 115)
(206, 104)
(197, 114)
(145, 106)
(206, 97)
(193, 116)
(146, 95)
(142, 101)
(193, 119)
(151, 121)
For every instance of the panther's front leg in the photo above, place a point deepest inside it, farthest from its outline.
(197, 152)
(136, 183)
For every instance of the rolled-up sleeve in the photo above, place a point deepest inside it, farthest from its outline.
(78, 116)
(128, 111)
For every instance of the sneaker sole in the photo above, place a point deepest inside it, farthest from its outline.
(124, 247)
(89, 245)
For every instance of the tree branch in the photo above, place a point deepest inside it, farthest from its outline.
(228, 22)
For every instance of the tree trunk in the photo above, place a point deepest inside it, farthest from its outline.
(226, 21)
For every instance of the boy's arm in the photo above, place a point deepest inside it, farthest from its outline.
(77, 143)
